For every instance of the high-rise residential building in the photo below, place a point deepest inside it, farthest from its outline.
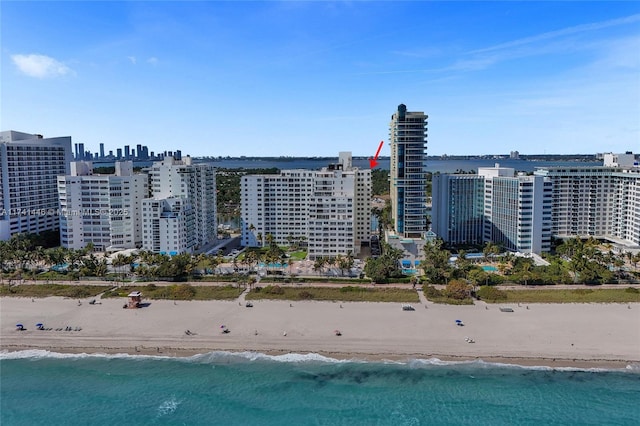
(458, 208)
(119, 153)
(180, 216)
(517, 210)
(597, 201)
(497, 206)
(30, 166)
(81, 152)
(104, 210)
(276, 206)
(408, 174)
(330, 209)
(101, 150)
(127, 153)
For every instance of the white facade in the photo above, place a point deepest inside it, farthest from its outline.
(180, 216)
(619, 160)
(30, 165)
(330, 209)
(408, 173)
(104, 210)
(517, 211)
(495, 206)
(601, 202)
(168, 225)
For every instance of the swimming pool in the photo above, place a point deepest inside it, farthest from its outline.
(489, 268)
(273, 265)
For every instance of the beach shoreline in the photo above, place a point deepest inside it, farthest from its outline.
(570, 335)
(174, 352)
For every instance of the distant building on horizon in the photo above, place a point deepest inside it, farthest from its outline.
(408, 173)
(30, 167)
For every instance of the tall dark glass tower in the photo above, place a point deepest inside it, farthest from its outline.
(408, 139)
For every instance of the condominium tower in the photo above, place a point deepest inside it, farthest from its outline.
(104, 210)
(517, 210)
(408, 174)
(597, 201)
(30, 165)
(180, 215)
(497, 206)
(458, 208)
(329, 209)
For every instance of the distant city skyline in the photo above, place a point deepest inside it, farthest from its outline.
(313, 78)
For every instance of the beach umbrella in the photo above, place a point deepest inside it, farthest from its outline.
(39, 324)
(223, 326)
(458, 320)
(19, 325)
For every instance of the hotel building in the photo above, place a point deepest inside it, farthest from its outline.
(104, 210)
(408, 173)
(180, 215)
(330, 208)
(30, 166)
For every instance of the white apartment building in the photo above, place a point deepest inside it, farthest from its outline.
(168, 225)
(408, 172)
(601, 202)
(330, 208)
(104, 210)
(180, 216)
(517, 210)
(494, 206)
(30, 165)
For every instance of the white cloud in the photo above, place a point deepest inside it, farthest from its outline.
(633, 19)
(40, 66)
(153, 60)
(132, 59)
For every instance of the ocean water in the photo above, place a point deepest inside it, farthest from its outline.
(220, 388)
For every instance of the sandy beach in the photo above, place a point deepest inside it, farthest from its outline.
(580, 335)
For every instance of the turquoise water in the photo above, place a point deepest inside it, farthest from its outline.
(489, 268)
(273, 265)
(41, 388)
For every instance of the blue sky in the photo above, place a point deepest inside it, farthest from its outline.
(300, 78)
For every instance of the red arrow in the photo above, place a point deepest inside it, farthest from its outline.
(374, 161)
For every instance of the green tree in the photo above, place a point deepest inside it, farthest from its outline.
(457, 289)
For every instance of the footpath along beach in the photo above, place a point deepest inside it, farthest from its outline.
(579, 335)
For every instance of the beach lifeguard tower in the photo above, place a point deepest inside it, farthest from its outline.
(135, 299)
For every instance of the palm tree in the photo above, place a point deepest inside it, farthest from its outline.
(119, 261)
(318, 264)
(251, 259)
